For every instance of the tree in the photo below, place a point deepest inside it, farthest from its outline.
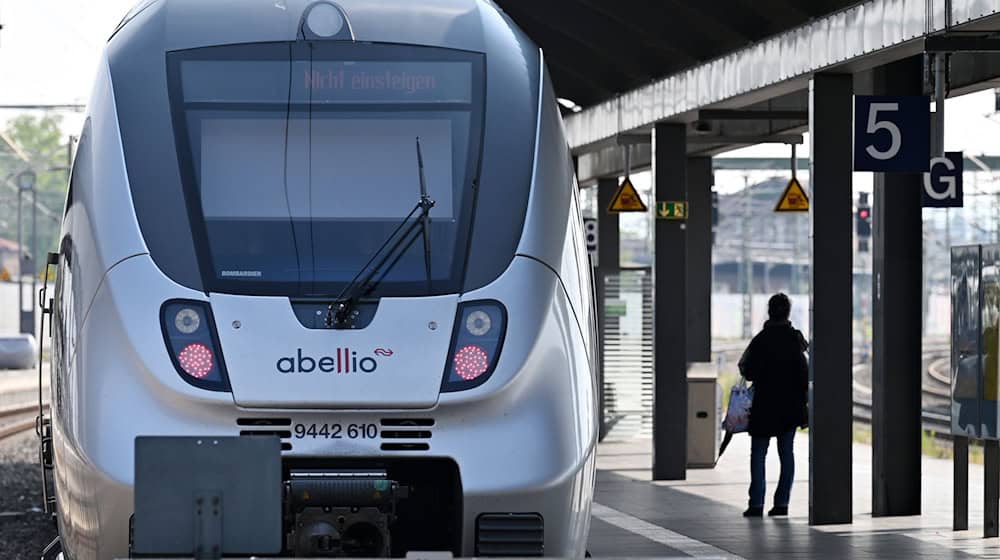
(40, 141)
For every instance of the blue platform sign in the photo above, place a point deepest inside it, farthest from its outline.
(943, 183)
(892, 133)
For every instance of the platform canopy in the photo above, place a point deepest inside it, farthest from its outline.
(596, 49)
(736, 71)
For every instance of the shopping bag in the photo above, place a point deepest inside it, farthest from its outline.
(738, 414)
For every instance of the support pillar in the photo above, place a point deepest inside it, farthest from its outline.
(670, 391)
(830, 384)
(991, 489)
(897, 295)
(960, 511)
(608, 262)
(700, 180)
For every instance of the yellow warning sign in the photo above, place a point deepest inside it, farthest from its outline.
(794, 199)
(627, 199)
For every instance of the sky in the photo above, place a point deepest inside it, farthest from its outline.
(49, 50)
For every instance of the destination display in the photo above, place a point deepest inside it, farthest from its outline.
(327, 82)
(383, 82)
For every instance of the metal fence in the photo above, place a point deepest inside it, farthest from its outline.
(628, 353)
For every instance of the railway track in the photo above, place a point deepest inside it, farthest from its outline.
(18, 418)
(19, 399)
(935, 386)
(935, 422)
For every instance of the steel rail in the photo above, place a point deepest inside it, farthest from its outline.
(939, 424)
(15, 428)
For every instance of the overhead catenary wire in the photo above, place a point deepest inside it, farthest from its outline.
(31, 163)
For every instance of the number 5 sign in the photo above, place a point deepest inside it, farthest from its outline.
(892, 133)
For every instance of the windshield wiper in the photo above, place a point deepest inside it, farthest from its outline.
(339, 311)
(425, 218)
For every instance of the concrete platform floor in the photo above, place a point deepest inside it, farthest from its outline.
(701, 516)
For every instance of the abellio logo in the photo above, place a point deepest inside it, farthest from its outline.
(345, 362)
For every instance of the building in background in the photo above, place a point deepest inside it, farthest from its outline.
(757, 249)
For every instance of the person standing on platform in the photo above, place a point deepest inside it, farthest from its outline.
(776, 364)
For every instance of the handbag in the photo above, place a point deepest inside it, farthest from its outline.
(738, 413)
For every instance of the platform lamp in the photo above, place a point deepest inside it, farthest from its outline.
(26, 182)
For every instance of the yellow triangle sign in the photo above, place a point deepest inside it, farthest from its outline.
(794, 198)
(627, 199)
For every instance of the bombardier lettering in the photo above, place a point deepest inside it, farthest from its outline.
(346, 361)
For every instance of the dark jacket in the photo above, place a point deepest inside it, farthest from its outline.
(776, 364)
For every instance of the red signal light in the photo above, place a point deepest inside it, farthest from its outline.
(471, 361)
(196, 360)
(864, 213)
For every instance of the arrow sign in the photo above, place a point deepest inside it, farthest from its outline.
(671, 210)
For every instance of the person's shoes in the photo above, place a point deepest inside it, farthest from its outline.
(753, 512)
(778, 511)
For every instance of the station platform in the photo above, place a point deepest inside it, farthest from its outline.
(701, 517)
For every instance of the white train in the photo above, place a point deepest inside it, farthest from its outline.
(350, 226)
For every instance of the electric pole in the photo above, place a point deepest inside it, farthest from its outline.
(747, 271)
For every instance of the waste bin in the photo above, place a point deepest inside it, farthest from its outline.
(704, 413)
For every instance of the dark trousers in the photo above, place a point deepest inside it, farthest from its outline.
(758, 455)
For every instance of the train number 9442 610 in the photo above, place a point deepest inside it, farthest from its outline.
(336, 431)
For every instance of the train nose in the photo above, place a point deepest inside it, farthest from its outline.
(396, 361)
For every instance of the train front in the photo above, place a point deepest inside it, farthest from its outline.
(352, 227)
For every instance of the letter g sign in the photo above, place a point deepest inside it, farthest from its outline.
(943, 183)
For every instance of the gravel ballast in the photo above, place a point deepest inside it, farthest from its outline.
(24, 529)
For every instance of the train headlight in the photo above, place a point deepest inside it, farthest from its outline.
(193, 345)
(325, 20)
(475, 345)
(187, 320)
(478, 322)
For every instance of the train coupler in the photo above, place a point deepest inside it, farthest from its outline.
(341, 512)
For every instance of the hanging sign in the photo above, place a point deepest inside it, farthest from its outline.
(794, 199)
(943, 183)
(891, 133)
(627, 199)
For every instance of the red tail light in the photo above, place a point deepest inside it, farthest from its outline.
(196, 360)
(475, 347)
(471, 361)
(193, 345)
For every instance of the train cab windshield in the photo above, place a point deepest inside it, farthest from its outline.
(299, 160)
